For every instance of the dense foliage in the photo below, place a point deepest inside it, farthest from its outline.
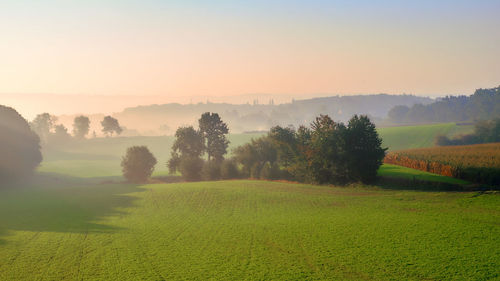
(19, 146)
(476, 163)
(484, 132)
(484, 104)
(214, 132)
(186, 153)
(327, 152)
(138, 164)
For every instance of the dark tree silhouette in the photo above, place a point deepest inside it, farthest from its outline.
(138, 164)
(110, 125)
(19, 146)
(214, 132)
(327, 152)
(81, 126)
(364, 152)
(186, 153)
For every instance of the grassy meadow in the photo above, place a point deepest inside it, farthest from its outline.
(405, 137)
(78, 220)
(69, 229)
(395, 171)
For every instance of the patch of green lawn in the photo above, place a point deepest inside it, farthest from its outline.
(234, 230)
(405, 137)
(394, 171)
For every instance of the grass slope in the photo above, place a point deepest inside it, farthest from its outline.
(405, 137)
(395, 171)
(234, 230)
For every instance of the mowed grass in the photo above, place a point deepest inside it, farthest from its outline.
(395, 171)
(405, 137)
(69, 229)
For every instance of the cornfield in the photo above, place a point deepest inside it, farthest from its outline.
(476, 163)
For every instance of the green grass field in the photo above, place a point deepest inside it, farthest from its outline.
(405, 137)
(394, 171)
(71, 229)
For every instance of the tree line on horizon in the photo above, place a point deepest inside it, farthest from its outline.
(484, 104)
(46, 127)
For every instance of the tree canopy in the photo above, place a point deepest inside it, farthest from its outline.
(214, 132)
(186, 153)
(42, 125)
(138, 164)
(81, 125)
(110, 125)
(19, 146)
(327, 152)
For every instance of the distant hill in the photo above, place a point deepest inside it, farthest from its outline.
(165, 118)
(484, 104)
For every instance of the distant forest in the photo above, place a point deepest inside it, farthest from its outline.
(484, 104)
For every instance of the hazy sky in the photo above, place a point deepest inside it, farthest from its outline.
(178, 48)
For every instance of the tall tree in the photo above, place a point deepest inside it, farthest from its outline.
(326, 152)
(186, 153)
(42, 125)
(81, 125)
(110, 125)
(214, 132)
(364, 152)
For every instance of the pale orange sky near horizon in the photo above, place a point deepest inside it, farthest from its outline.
(231, 48)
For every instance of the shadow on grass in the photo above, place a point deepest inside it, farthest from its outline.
(54, 203)
(398, 183)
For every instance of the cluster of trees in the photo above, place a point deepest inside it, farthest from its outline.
(191, 144)
(19, 146)
(484, 132)
(326, 152)
(45, 125)
(484, 104)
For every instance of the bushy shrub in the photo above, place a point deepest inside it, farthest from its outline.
(19, 146)
(211, 170)
(270, 172)
(229, 170)
(138, 164)
(190, 168)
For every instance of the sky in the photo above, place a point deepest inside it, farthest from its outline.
(216, 48)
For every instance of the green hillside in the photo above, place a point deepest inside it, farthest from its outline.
(405, 137)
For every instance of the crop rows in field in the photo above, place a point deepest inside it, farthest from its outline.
(477, 163)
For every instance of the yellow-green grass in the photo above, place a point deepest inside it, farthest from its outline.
(405, 137)
(395, 171)
(254, 230)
